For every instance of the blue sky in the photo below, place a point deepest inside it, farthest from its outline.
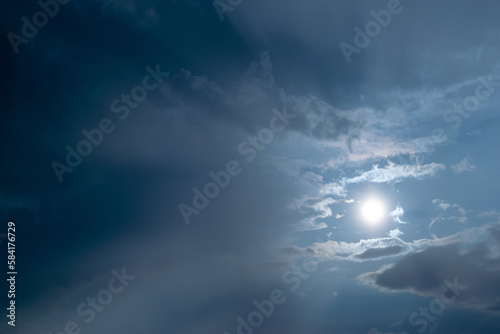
(222, 154)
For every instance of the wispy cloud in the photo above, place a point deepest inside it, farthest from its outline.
(394, 173)
(397, 213)
(491, 213)
(463, 166)
(365, 249)
(334, 188)
(390, 173)
(458, 212)
(322, 210)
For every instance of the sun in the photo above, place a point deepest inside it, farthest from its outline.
(373, 211)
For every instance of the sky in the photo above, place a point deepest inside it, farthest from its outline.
(251, 166)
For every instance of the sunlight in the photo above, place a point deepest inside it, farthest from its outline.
(373, 211)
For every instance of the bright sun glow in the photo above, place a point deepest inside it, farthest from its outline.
(373, 211)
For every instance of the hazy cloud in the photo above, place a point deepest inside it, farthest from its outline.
(463, 166)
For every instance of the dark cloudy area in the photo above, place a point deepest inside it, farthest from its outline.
(250, 166)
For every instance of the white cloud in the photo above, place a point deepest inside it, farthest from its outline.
(391, 173)
(397, 214)
(441, 204)
(395, 233)
(335, 189)
(394, 173)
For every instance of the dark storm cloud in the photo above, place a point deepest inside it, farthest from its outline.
(142, 171)
(120, 206)
(399, 58)
(379, 252)
(248, 103)
(425, 272)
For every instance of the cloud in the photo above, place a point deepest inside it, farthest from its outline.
(391, 173)
(379, 145)
(395, 233)
(311, 226)
(441, 204)
(366, 249)
(425, 272)
(491, 213)
(463, 166)
(397, 214)
(380, 252)
(321, 209)
(353, 251)
(249, 102)
(472, 257)
(444, 205)
(459, 212)
(171, 145)
(394, 173)
(335, 189)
